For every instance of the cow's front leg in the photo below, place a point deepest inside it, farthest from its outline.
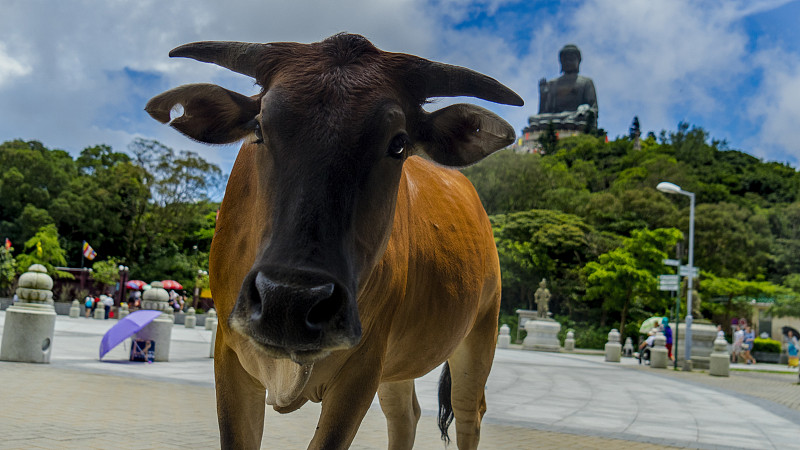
(401, 408)
(345, 403)
(240, 401)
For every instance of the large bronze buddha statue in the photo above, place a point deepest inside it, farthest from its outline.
(569, 101)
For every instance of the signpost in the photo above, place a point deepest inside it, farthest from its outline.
(669, 282)
(673, 283)
(686, 271)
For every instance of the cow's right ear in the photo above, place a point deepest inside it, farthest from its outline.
(211, 114)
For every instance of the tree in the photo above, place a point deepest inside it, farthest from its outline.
(180, 185)
(730, 240)
(8, 268)
(630, 271)
(549, 139)
(44, 249)
(540, 244)
(106, 272)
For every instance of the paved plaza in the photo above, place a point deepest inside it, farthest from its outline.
(535, 400)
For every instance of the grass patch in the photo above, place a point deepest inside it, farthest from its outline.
(782, 372)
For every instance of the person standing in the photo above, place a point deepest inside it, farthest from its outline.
(108, 302)
(88, 302)
(747, 346)
(792, 349)
(738, 342)
(668, 335)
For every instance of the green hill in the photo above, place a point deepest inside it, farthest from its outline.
(554, 214)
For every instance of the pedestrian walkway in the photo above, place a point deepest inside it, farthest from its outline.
(535, 400)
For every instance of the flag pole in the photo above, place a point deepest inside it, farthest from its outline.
(84, 243)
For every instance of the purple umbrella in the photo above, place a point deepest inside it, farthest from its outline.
(125, 328)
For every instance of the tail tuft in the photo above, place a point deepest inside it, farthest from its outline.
(445, 406)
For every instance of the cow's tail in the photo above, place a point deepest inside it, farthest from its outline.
(445, 405)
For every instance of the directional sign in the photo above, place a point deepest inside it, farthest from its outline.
(672, 262)
(669, 282)
(685, 271)
(669, 279)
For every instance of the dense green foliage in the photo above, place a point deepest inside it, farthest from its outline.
(148, 209)
(588, 218)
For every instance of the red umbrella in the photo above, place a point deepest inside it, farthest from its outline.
(171, 284)
(136, 285)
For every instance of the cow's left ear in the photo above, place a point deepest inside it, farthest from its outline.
(463, 134)
(211, 114)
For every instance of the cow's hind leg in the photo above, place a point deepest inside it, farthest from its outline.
(240, 402)
(401, 408)
(469, 368)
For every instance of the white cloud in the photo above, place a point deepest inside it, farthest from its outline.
(11, 67)
(662, 60)
(776, 107)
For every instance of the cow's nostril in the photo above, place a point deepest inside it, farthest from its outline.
(329, 304)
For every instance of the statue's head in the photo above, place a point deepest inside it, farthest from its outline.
(570, 58)
(543, 283)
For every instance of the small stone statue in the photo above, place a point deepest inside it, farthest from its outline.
(542, 297)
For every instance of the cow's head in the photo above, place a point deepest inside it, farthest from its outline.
(336, 119)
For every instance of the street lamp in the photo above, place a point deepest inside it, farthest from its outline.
(200, 274)
(671, 188)
(123, 278)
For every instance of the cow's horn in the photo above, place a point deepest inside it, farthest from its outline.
(445, 80)
(241, 57)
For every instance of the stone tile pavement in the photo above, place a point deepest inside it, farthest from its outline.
(536, 400)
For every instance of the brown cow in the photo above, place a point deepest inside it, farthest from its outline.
(342, 264)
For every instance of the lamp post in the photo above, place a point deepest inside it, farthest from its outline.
(200, 274)
(671, 188)
(123, 278)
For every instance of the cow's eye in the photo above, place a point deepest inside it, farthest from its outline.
(257, 132)
(398, 145)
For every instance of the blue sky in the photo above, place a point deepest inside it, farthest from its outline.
(76, 74)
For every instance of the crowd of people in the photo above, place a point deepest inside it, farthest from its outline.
(176, 301)
(742, 349)
(663, 328)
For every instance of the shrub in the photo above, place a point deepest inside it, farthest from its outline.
(510, 320)
(591, 336)
(766, 345)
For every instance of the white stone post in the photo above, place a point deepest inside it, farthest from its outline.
(569, 341)
(504, 338)
(30, 323)
(627, 349)
(191, 318)
(159, 330)
(100, 311)
(720, 362)
(658, 354)
(213, 337)
(75, 310)
(123, 311)
(211, 315)
(613, 347)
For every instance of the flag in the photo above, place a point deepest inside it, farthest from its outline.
(88, 251)
(39, 249)
(8, 244)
